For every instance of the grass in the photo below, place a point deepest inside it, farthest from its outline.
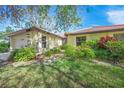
(62, 73)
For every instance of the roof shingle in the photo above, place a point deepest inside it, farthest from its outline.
(34, 27)
(98, 29)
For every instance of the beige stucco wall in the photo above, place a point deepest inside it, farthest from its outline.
(52, 40)
(71, 39)
(20, 40)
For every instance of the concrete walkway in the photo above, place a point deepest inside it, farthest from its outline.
(107, 64)
(101, 62)
(4, 58)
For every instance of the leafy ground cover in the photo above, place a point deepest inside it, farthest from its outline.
(62, 73)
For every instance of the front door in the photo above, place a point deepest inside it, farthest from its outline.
(44, 45)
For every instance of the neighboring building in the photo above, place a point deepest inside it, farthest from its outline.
(94, 33)
(38, 37)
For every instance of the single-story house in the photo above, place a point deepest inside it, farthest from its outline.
(94, 33)
(43, 39)
(36, 36)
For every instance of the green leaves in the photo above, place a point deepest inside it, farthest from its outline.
(9, 29)
(3, 35)
(24, 54)
(4, 47)
(66, 17)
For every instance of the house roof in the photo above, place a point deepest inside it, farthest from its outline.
(34, 27)
(98, 29)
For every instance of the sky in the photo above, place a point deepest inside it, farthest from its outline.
(102, 16)
(94, 16)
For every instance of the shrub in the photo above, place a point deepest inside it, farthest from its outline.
(70, 51)
(99, 47)
(80, 52)
(85, 51)
(104, 40)
(4, 47)
(12, 55)
(65, 46)
(116, 49)
(93, 44)
(48, 53)
(24, 54)
(107, 48)
(55, 50)
(102, 53)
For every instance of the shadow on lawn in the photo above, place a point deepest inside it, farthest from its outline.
(62, 79)
(50, 76)
(73, 78)
(4, 81)
(59, 78)
(69, 76)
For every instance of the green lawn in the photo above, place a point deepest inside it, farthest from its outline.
(62, 74)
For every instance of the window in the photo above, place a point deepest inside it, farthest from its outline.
(43, 41)
(79, 40)
(119, 36)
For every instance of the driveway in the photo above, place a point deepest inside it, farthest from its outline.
(3, 58)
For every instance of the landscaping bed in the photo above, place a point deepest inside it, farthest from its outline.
(40, 59)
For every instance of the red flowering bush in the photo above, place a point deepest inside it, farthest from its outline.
(104, 40)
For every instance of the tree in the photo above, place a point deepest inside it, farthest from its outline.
(35, 15)
(11, 12)
(9, 29)
(65, 16)
(3, 35)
